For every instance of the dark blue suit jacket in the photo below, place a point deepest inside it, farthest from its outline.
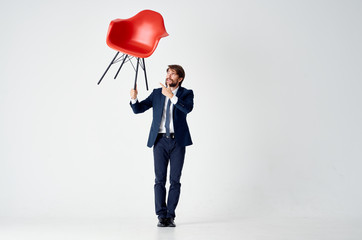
(184, 105)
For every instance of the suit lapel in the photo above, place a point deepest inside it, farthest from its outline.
(179, 91)
(178, 94)
(163, 98)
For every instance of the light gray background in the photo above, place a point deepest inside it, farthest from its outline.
(276, 124)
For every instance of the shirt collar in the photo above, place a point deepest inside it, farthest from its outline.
(175, 91)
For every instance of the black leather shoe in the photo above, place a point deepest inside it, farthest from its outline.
(162, 222)
(171, 222)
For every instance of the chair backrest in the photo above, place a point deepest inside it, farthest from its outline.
(147, 26)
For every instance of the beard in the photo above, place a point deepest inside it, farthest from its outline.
(171, 84)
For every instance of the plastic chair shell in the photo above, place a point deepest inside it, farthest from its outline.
(137, 36)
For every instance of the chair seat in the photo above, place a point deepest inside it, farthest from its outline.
(132, 48)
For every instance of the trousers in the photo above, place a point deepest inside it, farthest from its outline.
(165, 151)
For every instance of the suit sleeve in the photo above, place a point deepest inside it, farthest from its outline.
(140, 107)
(185, 103)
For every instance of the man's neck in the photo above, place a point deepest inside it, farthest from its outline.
(174, 88)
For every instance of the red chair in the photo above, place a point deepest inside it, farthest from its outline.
(137, 36)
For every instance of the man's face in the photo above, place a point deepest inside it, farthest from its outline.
(172, 79)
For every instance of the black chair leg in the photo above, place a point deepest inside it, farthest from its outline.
(108, 68)
(144, 70)
(135, 80)
(125, 56)
(124, 59)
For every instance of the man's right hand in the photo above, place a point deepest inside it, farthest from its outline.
(134, 93)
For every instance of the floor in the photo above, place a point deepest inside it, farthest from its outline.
(266, 228)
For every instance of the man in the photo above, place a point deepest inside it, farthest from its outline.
(169, 135)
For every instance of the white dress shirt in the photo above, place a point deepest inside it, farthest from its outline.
(174, 100)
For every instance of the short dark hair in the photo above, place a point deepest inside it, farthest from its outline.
(179, 70)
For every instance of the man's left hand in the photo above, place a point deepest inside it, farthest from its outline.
(166, 91)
